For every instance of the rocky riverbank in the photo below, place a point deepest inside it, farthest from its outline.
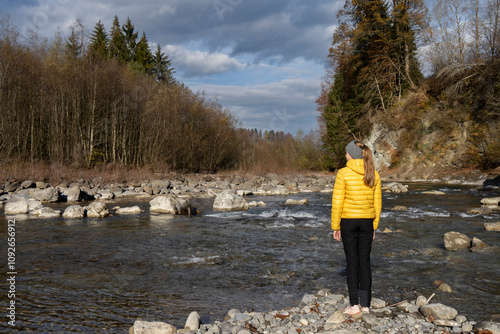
(322, 313)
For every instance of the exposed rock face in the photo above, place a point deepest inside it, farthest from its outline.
(229, 202)
(171, 205)
(72, 194)
(16, 206)
(395, 187)
(97, 210)
(74, 212)
(456, 240)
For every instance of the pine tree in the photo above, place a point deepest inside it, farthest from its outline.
(117, 48)
(130, 41)
(161, 67)
(98, 47)
(143, 57)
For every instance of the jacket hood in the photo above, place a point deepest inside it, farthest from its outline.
(356, 165)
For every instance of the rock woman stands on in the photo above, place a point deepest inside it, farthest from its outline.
(356, 207)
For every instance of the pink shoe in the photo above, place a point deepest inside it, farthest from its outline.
(351, 310)
(364, 309)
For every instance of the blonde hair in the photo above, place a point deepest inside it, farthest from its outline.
(369, 178)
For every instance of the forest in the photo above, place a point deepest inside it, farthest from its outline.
(108, 100)
(420, 72)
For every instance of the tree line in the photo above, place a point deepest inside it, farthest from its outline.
(107, 99)
(374, 67)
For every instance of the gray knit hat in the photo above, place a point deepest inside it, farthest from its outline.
(354, 151)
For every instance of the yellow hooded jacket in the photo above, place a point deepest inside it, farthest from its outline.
(352, 198)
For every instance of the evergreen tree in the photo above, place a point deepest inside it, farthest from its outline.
(98, 47)
(143, 57)
(162, 70)
(130, 41)
(73, 46)
(117, 48)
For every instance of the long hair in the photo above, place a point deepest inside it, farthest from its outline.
(369, 178)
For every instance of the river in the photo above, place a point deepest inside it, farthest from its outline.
(100, 275)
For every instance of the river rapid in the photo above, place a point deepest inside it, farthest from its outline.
(100, 275)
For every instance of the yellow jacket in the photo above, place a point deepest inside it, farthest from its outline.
(352, 198)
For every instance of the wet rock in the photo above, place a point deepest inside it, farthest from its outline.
(291, 201)
(170, 204)
(455, 240)
(144, 327)
(50, 194)
(193, 321)
(491, 201)
(438, 311)
(399, 208)
(128, 210)
(493, 327)
(445, 288)
(395, 187)
(433, 192)
(229, 202)
(74, 212)
(480, 211)
(46, 212)
(492, 226)
(97, 210)
(16, 205)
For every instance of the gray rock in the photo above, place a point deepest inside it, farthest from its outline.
(494, 327)
(144, 327)
(45, 212)
(242, 317)
(231, 313)
(28, 184)
(438, 311)
(97, 210)
(42, 185)
(129, 210)
(447, 323)
(456, 240)
(11, 187)
(229, 202)
(193, 321)
(395, 187)
(74, 212)
(307, 299)
(467, 327)
(421, 300)
(370, 319)
(378, 303)
(72, 194)
(170, 204)
(34, 204)
(336, 318)
(460, 319)
(445, 288)
(45, 195)
(17, 206)
(106, 194)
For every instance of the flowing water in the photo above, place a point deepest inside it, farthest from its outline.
(100, 275)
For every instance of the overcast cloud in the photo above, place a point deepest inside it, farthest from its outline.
(263, 59)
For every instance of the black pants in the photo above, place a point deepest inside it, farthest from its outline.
(357, 237)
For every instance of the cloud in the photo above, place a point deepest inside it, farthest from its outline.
(196, 63)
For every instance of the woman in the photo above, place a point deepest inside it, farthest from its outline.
(356, 207)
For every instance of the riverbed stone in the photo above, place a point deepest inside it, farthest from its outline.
(480, 211)
(226, 201)
(46, 212)
(494, 327)
(50, 194)
(16, 206)
(11, 187)
(106, 194)
(337, 317)
(395, 187)
(27, 184)
(292, 201)
(445, 288)
(72, 194)
(438, 311)
(97, 210)
(377, 303)
(491, 201)
(171, 205)
(446, 323)
(156, 327)
(128, 210)
(193, 321)
(492, 226)
(455, 241)
(74, 212)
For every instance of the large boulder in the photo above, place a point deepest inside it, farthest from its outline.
(72, 194)
(229, 202)
(456, 241)
(50, 194)
(156, 327)
(487, 327)
(45, 212)
(438, 311)
(395, 187)
(16, 205)
(171, 205)
(74, 212)
(193, 322)
(97, 210)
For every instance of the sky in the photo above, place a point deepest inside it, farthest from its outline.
(262, 59)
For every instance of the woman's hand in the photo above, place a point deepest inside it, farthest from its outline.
(336, 235)
(373, 235)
